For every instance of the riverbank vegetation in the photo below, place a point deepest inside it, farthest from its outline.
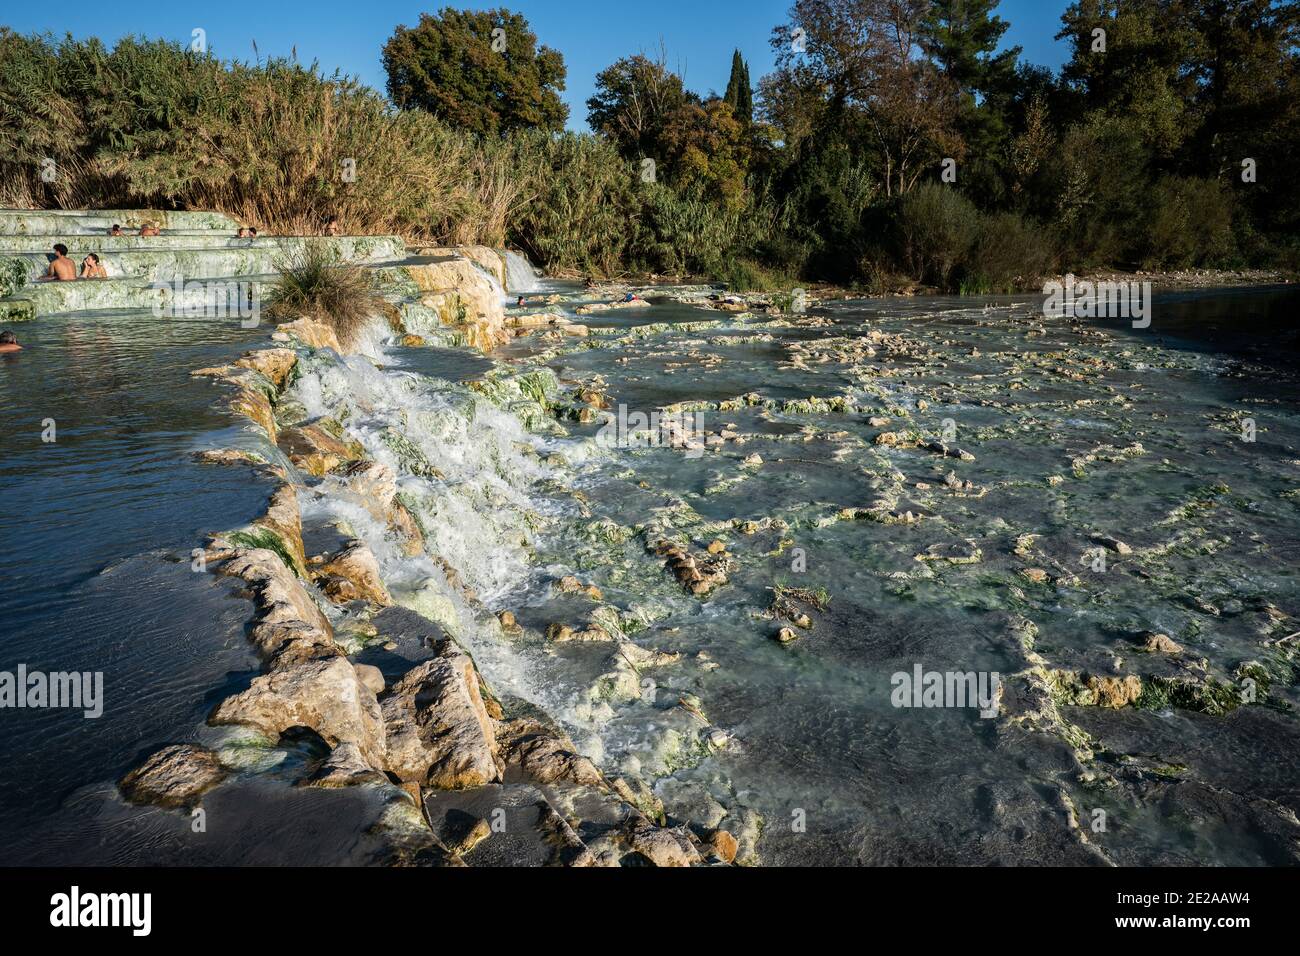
(894, 144)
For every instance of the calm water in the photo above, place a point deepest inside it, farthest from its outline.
(97, 528)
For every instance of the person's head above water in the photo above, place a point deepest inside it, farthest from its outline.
(8, 338)
(60, 248)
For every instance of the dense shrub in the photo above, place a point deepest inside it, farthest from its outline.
(1009, 254)
(1189, 223)
(936, 229)
(683, 235)
(313, 284)
(579, 208)
(1100, 180)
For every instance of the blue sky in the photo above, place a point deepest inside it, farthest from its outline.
(348, 34)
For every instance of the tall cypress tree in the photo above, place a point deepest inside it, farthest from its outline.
(739, 95)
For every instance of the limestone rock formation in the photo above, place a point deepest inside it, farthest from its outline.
(439, 731)
(353, 575)
(326, 696)
(290, 625)
(463, 298)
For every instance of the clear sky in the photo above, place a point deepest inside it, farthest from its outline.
(349, 34)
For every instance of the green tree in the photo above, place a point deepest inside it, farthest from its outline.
(633, 104)
(1129, 60)
(1247, 66)
(739, 95)
(961, 37)
(859, 58)
(478, 70)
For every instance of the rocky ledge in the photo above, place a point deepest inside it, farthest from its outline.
(469, 778)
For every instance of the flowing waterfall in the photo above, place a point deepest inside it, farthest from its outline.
(520, 274)
(463, 471)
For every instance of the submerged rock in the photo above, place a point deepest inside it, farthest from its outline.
(698, 575)
(663, 847)
(317, 451)
(439, 731)
(344, 767)
(723, 846)
(1161, 644)
(176, 776)
(1115, 692)
(544, 756)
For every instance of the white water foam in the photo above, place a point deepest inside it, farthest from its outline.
(521, 277)
(465, 469)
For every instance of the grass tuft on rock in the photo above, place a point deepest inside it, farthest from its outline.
(314, 284)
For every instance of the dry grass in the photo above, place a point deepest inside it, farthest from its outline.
(312, 284)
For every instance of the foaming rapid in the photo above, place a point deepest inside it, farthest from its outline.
(465, 470)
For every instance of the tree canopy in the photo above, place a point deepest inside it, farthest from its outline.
(481, 71)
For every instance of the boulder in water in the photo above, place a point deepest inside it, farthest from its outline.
(290, 626)
(353, 575)
(344, 767)
(309, 332)
(316, 450)
(176, 776)
(663, 846)
(275, 364)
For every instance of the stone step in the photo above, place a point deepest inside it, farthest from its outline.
(167, 242)
(133, 294)
(98, 295)
(241, 257)
(40, 222)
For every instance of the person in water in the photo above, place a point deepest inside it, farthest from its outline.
(631, 297)
(62, 269)
(9, 342)
(332, 226)
(149, 229)
(92, 268)
(243, 233)
(116, 230)
(522, 302)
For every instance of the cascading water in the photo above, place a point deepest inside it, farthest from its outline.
(520, 275)
(465, 469)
